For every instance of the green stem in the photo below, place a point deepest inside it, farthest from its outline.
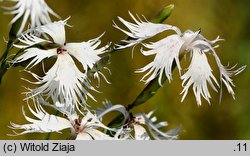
(3, 64)
(149, 91)
(12, 38)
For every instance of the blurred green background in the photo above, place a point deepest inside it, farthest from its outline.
(228, 18)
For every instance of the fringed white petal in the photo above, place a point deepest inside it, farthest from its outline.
(86, 52)
(91, 121)
(88, 128)
(38, 11)
(63, 83)
(140, 133)
(195, 39)
(110, 108)
(43, 124)
(29, 39)
(55, 30)
(169, 135)
(141, 30)
(154, 127)
(37, 55)
(167, 52)
(199, 74)
(226, 74)
(98, 74)
(65, 109)
(211, 42)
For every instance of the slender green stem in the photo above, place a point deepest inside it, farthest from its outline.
(149, 91)
(3, 64)
(48, 136)
(12, 38)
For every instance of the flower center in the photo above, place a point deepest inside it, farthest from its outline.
(133, 121)
(60, 50)
(77, 126)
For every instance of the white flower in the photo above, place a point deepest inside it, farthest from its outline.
(85, 128)
(226, 73)
(138, 122)
(141, 30)
(169, 50)
(63, 82)
(198, 75)
(132, 126)
(38, 11)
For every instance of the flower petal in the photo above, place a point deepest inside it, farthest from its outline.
(110, 108)
(199, 74)
(141, 30)
(30, 38)
(140, 133)
(226, 74)
(55, 30)
(37, 55)
(154, 128)
(45, 123)
(86, 52)
(91, 120)
(63, 83)
(167, 51)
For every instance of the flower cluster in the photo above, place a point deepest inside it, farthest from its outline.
(67, 84)
(87, 125)
(168, 52)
